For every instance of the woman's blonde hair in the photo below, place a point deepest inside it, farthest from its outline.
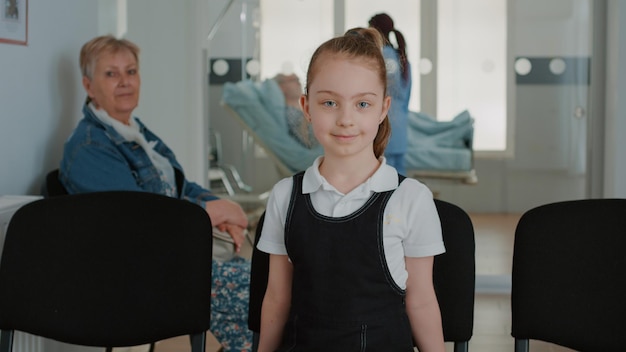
(367, 44)
(93, 49)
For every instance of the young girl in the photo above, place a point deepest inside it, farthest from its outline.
(351, 242)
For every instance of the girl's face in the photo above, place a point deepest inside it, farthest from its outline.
(115, 84)
(345, 103)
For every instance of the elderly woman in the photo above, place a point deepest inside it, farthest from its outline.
(111, 149)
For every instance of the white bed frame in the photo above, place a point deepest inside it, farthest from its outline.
(466, 177)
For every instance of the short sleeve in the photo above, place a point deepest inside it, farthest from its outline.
(272, 239)
(423, 227)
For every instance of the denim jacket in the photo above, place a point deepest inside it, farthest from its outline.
(97, 158)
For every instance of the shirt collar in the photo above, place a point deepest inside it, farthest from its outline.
(94, 115)
(124, 130)
(384, 179)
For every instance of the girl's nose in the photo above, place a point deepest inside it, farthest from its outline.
(345, 118)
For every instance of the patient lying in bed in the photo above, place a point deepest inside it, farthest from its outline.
(298, 128)
(434, 146)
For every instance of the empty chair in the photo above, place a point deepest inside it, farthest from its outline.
(107, 269)
(259, 273)
(51, 186)
(454, 277)
(568, 285)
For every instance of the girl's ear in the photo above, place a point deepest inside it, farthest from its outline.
(386, 105)
(304, 105)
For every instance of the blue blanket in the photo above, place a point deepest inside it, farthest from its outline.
(433, 145)
(440, 145)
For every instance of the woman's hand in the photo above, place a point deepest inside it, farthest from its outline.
(236, 232)
(224, 211)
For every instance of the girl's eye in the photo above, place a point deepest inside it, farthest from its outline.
(132, 71)
(329, 103)
(363, 104)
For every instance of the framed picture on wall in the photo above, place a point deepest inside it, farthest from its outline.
(14, 22)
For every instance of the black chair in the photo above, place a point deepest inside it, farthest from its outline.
(51, 186)
(107, 269)
(454, 277)
(259, 273)
(568, 285)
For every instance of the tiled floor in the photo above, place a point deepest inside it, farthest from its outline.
(492, 316)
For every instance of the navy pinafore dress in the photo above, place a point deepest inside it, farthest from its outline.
(343, 296)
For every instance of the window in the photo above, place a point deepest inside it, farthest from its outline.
(290, 32)
(468, 55)
(471, 67)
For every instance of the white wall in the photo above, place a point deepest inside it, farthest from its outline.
(40, 100)
(41, 92)
(41, 97)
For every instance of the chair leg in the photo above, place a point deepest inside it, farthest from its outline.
(521, 345)
(255, 341)
(6, 341)
(461, 346)
(198, 342)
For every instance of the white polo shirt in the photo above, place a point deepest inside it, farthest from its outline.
(411, 224)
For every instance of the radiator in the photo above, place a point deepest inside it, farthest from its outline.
(8, 207)
(22, 342)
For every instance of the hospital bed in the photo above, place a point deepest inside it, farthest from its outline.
(437, 149)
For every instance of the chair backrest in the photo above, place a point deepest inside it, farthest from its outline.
(259, 272)
(52, 186)
(107, 269)
(454, 276)
(568, 284)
